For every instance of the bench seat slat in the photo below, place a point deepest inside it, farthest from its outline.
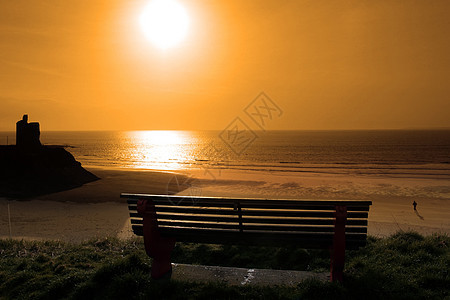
(263, 235)
(205, 226)
(307, 240)
(260, 234)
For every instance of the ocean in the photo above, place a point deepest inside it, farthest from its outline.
(409, 153)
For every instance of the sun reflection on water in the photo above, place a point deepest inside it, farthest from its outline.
(159, 149)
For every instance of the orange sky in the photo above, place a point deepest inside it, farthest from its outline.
(86, 65)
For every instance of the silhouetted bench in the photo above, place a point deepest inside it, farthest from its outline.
(310, 224)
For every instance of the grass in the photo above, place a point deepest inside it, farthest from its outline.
(403, 266)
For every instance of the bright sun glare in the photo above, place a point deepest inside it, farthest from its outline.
(165, 23)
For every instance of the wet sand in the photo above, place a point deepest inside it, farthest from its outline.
(95, 210)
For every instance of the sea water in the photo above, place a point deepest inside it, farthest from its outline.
(396, 152)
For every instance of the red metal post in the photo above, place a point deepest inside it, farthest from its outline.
(157, 247)
(338, 250)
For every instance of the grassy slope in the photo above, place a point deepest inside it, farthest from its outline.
(403, 266)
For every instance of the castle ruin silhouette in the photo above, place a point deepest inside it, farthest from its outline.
(27, 134)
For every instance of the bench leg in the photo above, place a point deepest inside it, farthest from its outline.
(161, 254)
(338, 250)
(157, 247)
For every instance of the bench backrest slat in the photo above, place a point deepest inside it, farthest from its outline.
(252, 227)
(253, 212)
(223, 202)
(137, 219)
(254, 205)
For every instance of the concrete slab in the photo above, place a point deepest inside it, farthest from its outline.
(242, 276)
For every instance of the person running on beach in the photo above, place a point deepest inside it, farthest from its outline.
(415, 205)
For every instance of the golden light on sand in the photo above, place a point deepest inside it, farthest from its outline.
(165, 23)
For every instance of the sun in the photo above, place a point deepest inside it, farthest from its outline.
(165, 23)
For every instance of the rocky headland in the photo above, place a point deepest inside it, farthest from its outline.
(47, 169)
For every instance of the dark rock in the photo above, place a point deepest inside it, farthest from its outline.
(46, 169)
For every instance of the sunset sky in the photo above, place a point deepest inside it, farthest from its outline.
(87, 65)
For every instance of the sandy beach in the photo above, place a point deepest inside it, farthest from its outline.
(96, 211)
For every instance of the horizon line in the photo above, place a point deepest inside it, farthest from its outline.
(339, 129)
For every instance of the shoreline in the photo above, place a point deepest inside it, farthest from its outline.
(95, 209)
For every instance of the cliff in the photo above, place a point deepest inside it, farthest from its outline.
(47, 169)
